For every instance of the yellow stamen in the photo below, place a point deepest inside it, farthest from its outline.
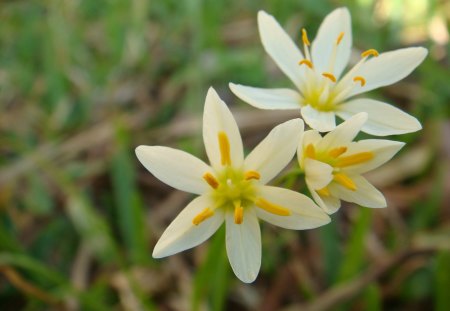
(354, 159)
(339, 38)
(224, 146)
(325, 192)
(252, 175)
(305, 37)
(329, 76)
(307, 63)
(205, 214)
(238, 213)
(209, 178)
(310, 151)
(369, 52)
(272, 208)
(337, 151)
(360, 80)
(345, 181)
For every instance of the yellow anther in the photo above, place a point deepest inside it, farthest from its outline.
(205, 214)
(369, 52)
(329, 75)
(209, 178)
(345, 181)
(224, 146)
(252, 175)
(337, 151)
(305, 37)
(272, 208)
(354, 159)
(238, 213)
(325, 192)
(360, 79)
(339, 38)
(310, 151)
(307, 63)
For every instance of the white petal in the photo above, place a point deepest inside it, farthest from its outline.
(322, 48)
(280, 47)
(384, 119)
(308, 137)
(176, 168)
(329, 204)
(305, 214)
(365, 194)
(182, 234)
(344, 132)
(243, 244)
(317, 174)
(383, 151)
(323, 121)
(389, 68)
(283, 99)
(218, 118)
(276, 150)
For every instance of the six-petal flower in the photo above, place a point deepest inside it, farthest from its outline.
(322, 92)
(232, 189)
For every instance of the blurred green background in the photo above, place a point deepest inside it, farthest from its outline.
(82, 83)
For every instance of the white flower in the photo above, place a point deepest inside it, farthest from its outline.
(333, 164)
(322, 92)
(232, 189)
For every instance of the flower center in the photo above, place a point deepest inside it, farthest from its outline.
(234, 188)
(324, 90)
(337, 159)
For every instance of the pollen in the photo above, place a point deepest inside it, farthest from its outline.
(369, 52)
(345, 181)
(360, 79)
(238, 213)
(339, 38)
(205, 214)
(224, 146)
(310, 151)
(325, 192)
(305, 37)
(211, 180)
(337, 151)
(329, 75)
(307, 63)
(272, 208)
(354, 159)
(252, 175)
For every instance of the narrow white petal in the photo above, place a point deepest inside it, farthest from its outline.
(389, 68)
(383, 119)
(182, 234)
(344, 132)
(323, 121)
(329, 204)
(317, 174)
(308, 137)
(176, 168)
(305, 214)
(383, 151)
(218, 118)
(322, 48)
(365, 195)
(276, 150)
(280, 47)
(243, 242)
(283, 99)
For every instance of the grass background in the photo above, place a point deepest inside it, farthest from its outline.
(82, 83)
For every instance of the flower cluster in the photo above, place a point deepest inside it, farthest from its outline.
(232, 188)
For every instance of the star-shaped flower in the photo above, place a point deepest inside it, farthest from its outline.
(333, 164)
(322, 92)
(232, 189)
